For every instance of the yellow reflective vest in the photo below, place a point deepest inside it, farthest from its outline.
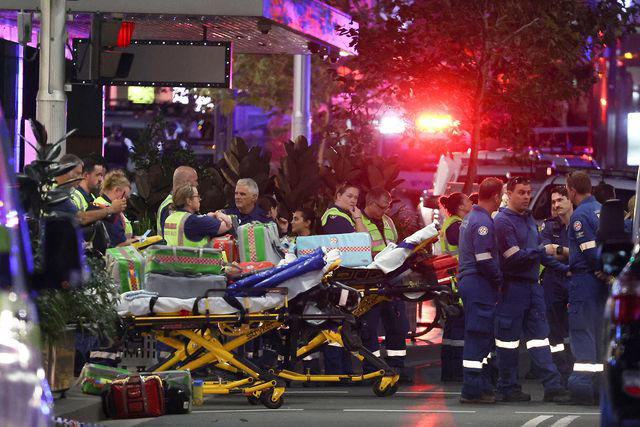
(174, 231)
(77, 198)
(378, 241)
(337, 212)
(166, 202)
(446, 247)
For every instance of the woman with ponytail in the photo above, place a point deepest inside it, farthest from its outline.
(457, 206)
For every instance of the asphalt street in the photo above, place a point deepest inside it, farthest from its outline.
(426, 403)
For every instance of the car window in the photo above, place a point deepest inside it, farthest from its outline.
(541, 210)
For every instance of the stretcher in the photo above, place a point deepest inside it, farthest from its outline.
(322, 309)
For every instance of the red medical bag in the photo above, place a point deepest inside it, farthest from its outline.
(439, 268)
(134, 397)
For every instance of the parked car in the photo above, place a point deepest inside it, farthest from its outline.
(25, 396)
(621, 385)
(623, 182)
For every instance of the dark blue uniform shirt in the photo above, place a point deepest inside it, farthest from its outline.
(164, 214)
(337, 224)
(256, 214)
(553, 231)
(477, 251)
(198, 227)
(67, 207)
(453, 233)
(521, 247)
(115, 227)
(583, 251)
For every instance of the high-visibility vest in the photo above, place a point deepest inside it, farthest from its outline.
(166, 202)
(446, 247)
(174, 231)
(336, 212)
(78, 199)
(103, 203)
(378, 242)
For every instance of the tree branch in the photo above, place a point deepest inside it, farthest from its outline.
(518, 31)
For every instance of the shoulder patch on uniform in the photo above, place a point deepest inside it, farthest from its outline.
(577, 226)
(483, 230)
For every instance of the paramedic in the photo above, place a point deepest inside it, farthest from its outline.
(479, 281)
(392, 313)
(587, 294)
(183, 175)
(116, 187)
(184, 227)
(521, 309)
(342, 217)
(555, 282)
(457, 206)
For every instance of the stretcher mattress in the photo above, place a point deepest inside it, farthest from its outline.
(138, 303)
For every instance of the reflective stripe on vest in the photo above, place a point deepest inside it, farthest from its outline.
(444, 244)
(78, 200)
(378, 243)
(166, 202)
(174, 231)
(337, 212)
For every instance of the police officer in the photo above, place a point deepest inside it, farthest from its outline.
(183, 175)
(587, 294)
(479, 281)
(521, 309)
(185, 228)
(457, 205)
(555, 282)
(342, 217)
(392, 313)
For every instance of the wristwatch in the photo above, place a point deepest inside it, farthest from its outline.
(559, 250)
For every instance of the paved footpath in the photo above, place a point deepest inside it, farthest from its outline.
(427, 403)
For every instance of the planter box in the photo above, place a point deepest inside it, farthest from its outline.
(58, 360)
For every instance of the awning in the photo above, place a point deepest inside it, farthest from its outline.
(294, 23)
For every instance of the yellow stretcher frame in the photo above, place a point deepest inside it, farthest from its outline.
(221, 356)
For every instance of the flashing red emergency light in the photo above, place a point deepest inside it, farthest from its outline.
(431, 123)
(125, 34)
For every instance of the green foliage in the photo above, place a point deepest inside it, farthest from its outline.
(492, 65)
(91, 308)
(298, 176)
(240, 161)
(154, 169)
(38, 179)
(345, 164)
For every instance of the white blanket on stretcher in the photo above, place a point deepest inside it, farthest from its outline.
(136, 303)
(394, 255)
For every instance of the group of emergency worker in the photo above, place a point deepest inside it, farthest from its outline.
(515, 280)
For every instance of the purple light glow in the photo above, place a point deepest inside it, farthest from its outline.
(18, 120)
(10, 33)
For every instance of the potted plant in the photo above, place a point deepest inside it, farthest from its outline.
(63, 310)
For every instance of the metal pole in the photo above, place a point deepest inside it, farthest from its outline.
(301, 120)
(51, 101)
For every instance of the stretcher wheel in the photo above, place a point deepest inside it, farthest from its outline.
(253, 400)
(389, 391)
(266, 399)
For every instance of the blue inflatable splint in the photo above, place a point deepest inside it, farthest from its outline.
(272, 277)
